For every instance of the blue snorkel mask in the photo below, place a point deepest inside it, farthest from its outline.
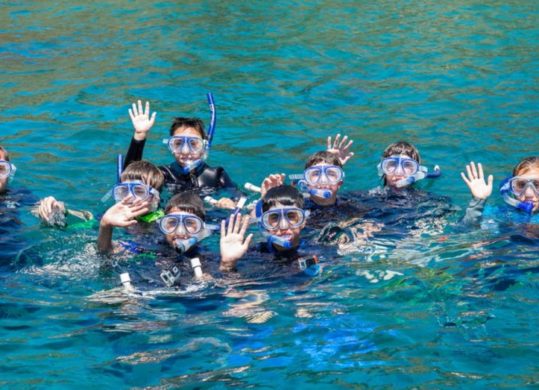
(318, 175)
(179, 144)
(279, 218)
(515, 186)
(408, 167)
(190, 225)
(7, 169)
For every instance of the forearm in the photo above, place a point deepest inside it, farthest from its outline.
(135, 151)
(104, 240)
(474, 212)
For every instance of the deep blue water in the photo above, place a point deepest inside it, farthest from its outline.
(458, 79)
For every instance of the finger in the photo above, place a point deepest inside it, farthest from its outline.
(343, 141)
(474, 171)
(237, 225)
(490, 181)
(230, 229)
(134, 107)
(244, 225)
(329, 142)
(152, 120)
(147, 109)
(348, 145)
(131, 114)
(140, 112)
(469, 171)
(480, 171)
(468, 183)
(223, 228)
(336, 142)
(248, 241)
(130, 223)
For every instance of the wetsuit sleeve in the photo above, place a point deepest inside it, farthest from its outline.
(474, 212)
(226, 181)
(134, 153)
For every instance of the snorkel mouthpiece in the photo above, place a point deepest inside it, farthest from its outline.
(326, 194)
(183, 246)
(191, 166)
(282, 242)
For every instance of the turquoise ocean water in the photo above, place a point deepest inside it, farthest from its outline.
(456, 78)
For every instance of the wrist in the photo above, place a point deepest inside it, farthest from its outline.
(139, 135)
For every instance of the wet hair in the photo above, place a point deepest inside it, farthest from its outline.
(195, 123)
(526, 164)
(283, 194)
(323, 157)
(146, 172)
(188, 202)
(6, 154)
(402, 147)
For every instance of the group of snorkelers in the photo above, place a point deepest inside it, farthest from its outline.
(282, 211)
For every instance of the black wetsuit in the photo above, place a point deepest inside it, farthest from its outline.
(204, 179)
(13, 245)
(344, 209)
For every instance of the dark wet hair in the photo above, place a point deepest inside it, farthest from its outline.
(402, 147)
(195, 123)
(526, 164)
(323, 157)
(188, 202)
(285, 194)
(6, 154)
(146, 172)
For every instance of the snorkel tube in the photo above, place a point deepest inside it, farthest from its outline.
(213, 121)
(422, 173)
(505, 191)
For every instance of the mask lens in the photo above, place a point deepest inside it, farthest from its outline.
(409, 167)
(519, 185)
(334, 174)
(192, 225)
(176, 144)
(312, 175)
(271, 220)
(294, 217)
(169, 224)
(4, 169)
(389, 165)
(121, 191)
(140, 191)
(196, 144)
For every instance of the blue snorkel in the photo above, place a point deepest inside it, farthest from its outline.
(505, 191)
(213, 121)
(305, 189)
(422, 173)
(119, 168)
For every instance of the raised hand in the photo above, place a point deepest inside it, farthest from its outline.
(142, 122)
(341, 148)
(123, 213)
(271, 181)
(51, 211)
(475, 180)
(233, 243)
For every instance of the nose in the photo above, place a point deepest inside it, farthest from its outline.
(529, 192)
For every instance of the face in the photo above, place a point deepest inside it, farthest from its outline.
(398, 174)
(529, 195)
(182, 230)
(3, 180)
(331, 180)
(284, 230)
(186, 156)
(137, 190)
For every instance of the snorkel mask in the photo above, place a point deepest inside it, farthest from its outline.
(179, 144)
(409, 168)
(7, 170)
(192, 226)
(280, 218)
(318, 175)
(513, 187)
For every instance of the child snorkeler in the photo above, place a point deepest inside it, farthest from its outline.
(137, 201)
(281, 218)
(520, 192)
(188, 143)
